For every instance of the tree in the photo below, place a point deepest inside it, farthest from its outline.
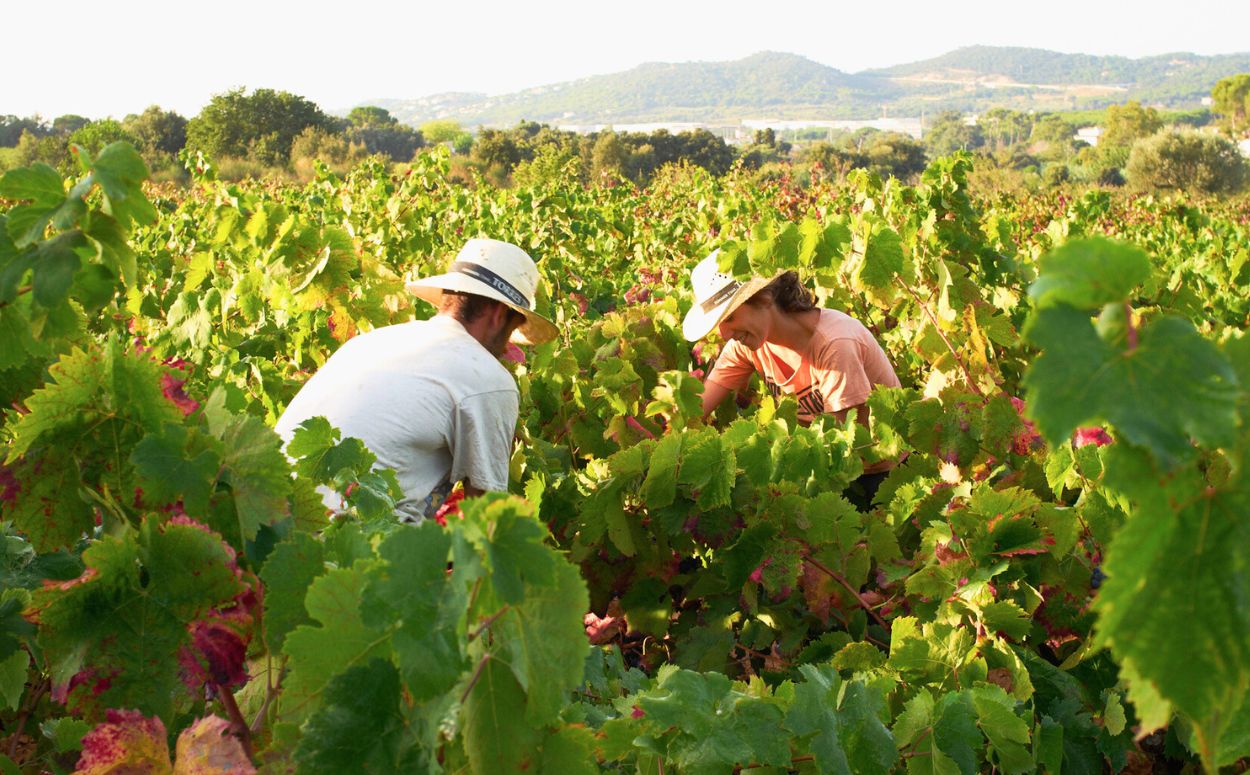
(441, 131)
(12, 127)
(1129, 122)
(260, 126)
(894, 154)
(834, 161)
(315, 144)
(949, 133)
(1053, 137)
(608, 157)
(1231, 98)
(1187, 161)
(1002, 127)
(370, 116)
(157, 130)
(97, 134)
(67, 124)
(496, 148)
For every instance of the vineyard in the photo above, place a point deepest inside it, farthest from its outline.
(1055, 580)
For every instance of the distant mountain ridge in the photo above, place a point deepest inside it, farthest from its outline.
(787, 86)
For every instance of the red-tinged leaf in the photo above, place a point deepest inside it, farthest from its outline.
(514, 354)
(1096, 436)
(127, 742)
(171, 386)
(1021, 552)
(208, 748)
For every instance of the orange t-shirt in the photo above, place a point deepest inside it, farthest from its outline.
(840, 367)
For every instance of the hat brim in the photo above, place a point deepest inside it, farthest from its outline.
(699, 323)
(535, 330)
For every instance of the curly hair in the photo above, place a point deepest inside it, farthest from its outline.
(787, 292)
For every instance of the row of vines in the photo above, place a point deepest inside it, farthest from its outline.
(1055, 579)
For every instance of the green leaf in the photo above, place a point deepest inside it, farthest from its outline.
(360, 725)
(168, 471)
(569, 751)
(519, 560)
(1089, 273)
(660, 487)
(1008, 733)
(1177, 565)
(287, 574)
(708, 466)
(257, 472)
(1173, 386)
(648, 607)
(13, 679)
(120, 172)
(55, 268)
(844, 722)
(66, 734)
(126, 618)
(497, 735)
(342, 639)
(413, 594)
(718, 726)
(545, 641)
(38, 183)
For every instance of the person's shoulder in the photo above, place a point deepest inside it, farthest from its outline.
(836, 325)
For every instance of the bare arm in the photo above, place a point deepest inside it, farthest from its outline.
(713, 396)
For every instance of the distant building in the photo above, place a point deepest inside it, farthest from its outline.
(1089, 134)
(1244, 145)
(909, 126)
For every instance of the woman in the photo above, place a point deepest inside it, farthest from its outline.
(824, 358)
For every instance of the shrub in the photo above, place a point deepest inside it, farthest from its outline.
(1186, 161)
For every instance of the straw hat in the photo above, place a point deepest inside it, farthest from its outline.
(496, 270)
(716, 296)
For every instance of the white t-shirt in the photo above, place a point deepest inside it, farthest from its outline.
(427, 399)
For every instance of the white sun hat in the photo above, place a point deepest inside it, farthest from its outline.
(496, 270)
(716, 296)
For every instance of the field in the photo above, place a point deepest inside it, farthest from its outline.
(1054, 581)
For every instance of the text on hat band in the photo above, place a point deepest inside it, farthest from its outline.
(482, 274)
(720, 296)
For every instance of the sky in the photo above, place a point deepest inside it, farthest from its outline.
(100, 59)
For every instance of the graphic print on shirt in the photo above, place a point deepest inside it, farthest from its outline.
(811, 400)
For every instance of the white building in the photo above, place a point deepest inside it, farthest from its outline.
(1089, 134)
(1244, 145)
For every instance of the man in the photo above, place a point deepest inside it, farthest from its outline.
(430, 398)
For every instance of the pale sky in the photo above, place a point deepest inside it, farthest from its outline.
(98, 58)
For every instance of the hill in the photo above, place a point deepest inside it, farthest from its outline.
(787, 86)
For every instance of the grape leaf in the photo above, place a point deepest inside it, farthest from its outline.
(359, 726)
(257, 472)
(126, 741)
(208, 748)
(342, 639)
(287, 575)
(497, 735)
(545, 640)
(1176, 566)
(413, 594)
(1088, 273)
(659, 489)
(1174, 385)
(116, 632)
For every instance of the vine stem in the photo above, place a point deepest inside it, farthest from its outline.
(972, 385)
(847, 585)
(477, 673)
(488, 622)
(32, 700)
(237, 722)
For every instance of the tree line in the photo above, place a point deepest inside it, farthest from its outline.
(267, 131)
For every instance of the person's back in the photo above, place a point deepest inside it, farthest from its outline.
(429, 398)
(421, 396)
